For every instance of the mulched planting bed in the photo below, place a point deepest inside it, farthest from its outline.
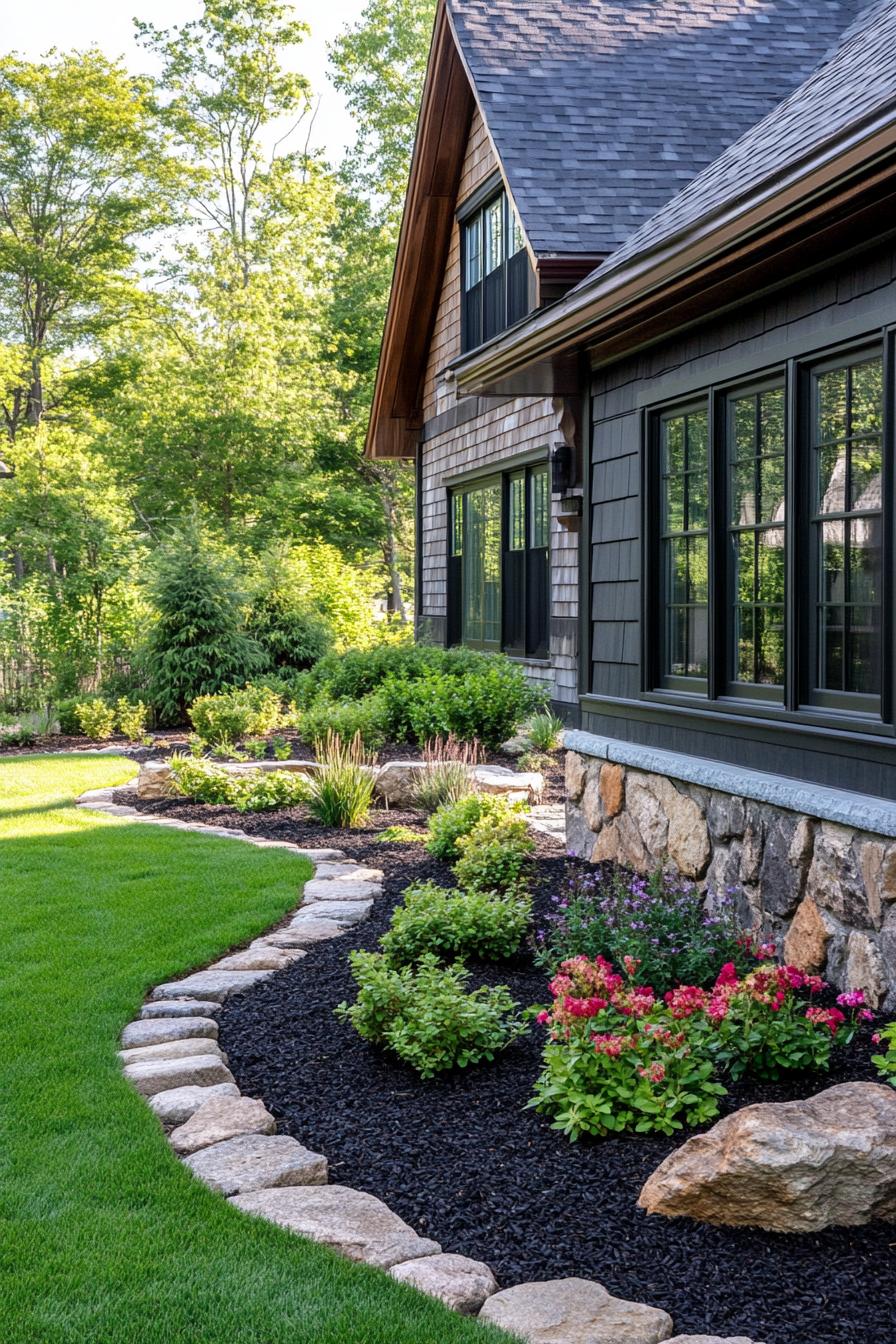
(461, 1160)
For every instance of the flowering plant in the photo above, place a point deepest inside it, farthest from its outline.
(886, 1062)
(663, 921)
(616, 1059)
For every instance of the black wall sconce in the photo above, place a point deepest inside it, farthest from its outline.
(562, 469)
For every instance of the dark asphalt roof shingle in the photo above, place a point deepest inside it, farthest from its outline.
(602, 110)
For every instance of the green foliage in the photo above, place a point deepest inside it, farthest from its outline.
(425, 1015)
(95, 719)
(131, 718)
(455, 924)
(485, 704)
(248, 792)
(16, 735)
(535, 761)
(365, 718)
(453, 820)
(358, 671)
(282, 749)
(448, 774)
(342, 789)
(886, 1061)
(399, 835)
(197, 644)
(544, 731)
(232, 715)
(495, 854)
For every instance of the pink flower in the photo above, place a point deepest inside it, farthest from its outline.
(866, 1015)
(655, 1072)
(727, 975)
(543, 1017)
(855, 998)
(765, 950)
(876, 1038)
(832, 1018)
(685, 1000)
(631, 964)
(608, 1043)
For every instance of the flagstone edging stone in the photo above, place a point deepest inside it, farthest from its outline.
(239, 1155)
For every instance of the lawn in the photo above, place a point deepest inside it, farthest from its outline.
(106, 1237)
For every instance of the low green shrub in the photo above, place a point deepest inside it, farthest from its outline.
(235, 714)
(453, 820)
(282, 749)
(399, 835)
(342, 790)
(425, 1015)
(67, 717)
(131, 718)
(536, 761)
(16, 735)
(204, 782)
(455, 924)
(347, 718)
(486, 704)
(200, 781)
(95, 719)
(886, 1061)
(544, 731)
(495, 854)
(256, 748)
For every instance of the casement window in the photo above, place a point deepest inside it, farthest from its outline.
(765, 535)
(497, 275)
(499, 563)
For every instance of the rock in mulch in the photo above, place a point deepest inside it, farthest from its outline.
(357, 1225)
(212, 984)
(156, 1031)
(149, 1076)
(462, 1284)
(182, 1049)
(180, 1008)
(177, 1104)
(792, 1166)
(222, 1118)
(574, 1311)
(257, 1162)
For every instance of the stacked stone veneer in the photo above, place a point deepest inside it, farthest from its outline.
(824, 891)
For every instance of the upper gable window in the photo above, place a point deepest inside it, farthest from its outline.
(498, 283)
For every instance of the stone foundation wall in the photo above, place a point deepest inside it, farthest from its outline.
(824, 892)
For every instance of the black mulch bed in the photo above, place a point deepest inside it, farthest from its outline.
(461, 1160)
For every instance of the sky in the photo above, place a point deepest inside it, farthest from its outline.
(32, 28)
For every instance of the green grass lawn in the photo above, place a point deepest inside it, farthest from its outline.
(104, 1237)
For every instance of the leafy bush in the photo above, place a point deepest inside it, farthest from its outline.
(425, 1015)
(197, 644)
(235, 714)
(95, 719)
(886, 1062)
(282, 749)
(544, 731)
(486, 704)
(131, 718)
(342, 790)
(451, 821)
(399, 835)
(249, 792)
(447, 776)
(357, 672)
(455, 924)
(16, 735)
(661, 921)
(614, 1061)
(494, 856)
(67, 716)
(289, 635)
(346, 718)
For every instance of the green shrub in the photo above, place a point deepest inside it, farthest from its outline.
(67, 714)
(247, 792)
(290, 637)
(256, 748)
(455, 924)
(544, 731)
(425, 1015)
(342, 789)
(399, 835)
(357, 672)
(347, 718)
(536, 761)
(495, 854)
(453, 820)
(235, 714)
(886, 1062)
(282, 749)
(197, 644)
(486, 704)
(200, 781)
(16, 735)
(95, 719)
(131, 718)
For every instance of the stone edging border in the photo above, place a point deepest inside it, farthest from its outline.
(170, 1054)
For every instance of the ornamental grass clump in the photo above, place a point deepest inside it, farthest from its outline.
(663, 921)
(425, 1015)
(448, 773)
(545, 731)
(342, 789)
(449, 924)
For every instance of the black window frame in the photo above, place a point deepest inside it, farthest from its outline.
(504, 295)
(525, 576)
(798, 701)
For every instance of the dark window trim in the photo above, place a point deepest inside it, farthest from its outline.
(851, 713)
(480, 197)
(515, 292)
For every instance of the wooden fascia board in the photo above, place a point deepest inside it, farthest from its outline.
(424, 240)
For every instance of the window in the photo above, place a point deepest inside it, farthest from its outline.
(765, 538)
(498, 563)
(496, 270)
(684, 544)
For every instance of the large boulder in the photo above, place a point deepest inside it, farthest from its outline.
(574, 1311)
(154, 781)
(793, 1166)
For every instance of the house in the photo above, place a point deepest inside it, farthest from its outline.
(641, 347)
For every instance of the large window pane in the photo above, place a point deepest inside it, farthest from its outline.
(847, 447)
(516, 523)
(494, 234)
(541, 507)
(685, 545)
(481, 606)
(473, 245)
(756, 535)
